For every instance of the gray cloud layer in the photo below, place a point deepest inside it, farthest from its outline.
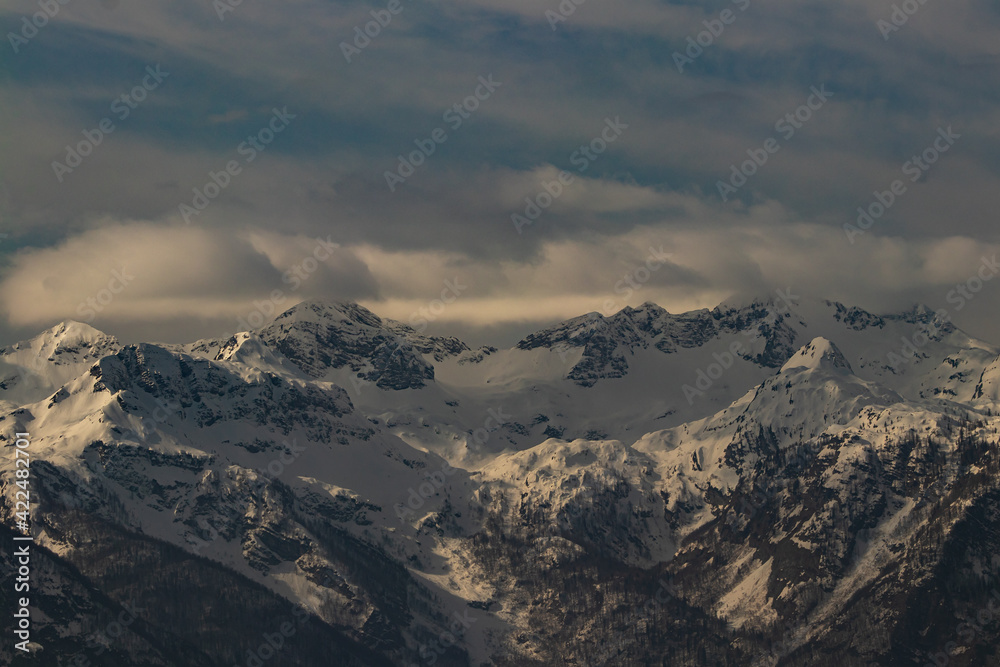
(655, 185)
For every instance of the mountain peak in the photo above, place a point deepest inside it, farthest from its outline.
(32, 368)
(919, 313)
(819, 353)
(320, 310)
(69, 336)
(76, 329)
(70, 332)
(323, 337)
(248, 348)
(648, 310)
(750, 299)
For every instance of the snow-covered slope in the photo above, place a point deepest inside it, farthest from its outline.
(988, 388)
(31, 369)
(321, 338)
(644, 370)
(746, 469)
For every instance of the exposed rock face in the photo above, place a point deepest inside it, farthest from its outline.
(318, 337)
(835, 511)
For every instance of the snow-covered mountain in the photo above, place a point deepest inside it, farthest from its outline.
(34, 368)
(772, 482)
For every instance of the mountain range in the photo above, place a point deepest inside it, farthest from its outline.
(770, 482)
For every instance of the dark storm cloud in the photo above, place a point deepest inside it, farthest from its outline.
(324, 175)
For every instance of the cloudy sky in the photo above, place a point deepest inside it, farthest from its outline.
(309, 114)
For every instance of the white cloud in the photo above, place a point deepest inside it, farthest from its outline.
(210, 277)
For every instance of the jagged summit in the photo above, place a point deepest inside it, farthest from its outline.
(765, 468)
(918, 310)
(322, 337)
(819, 354)
(72, 329)
(778, 303)
(68, 335)
(328, 311)
(646, 308)
(33, 368)
(747, 299)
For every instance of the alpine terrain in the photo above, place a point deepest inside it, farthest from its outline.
(763, 483)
